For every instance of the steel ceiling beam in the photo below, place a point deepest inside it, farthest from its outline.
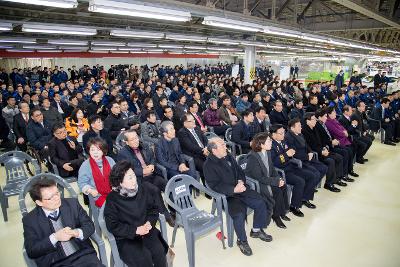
(352, 4)
(342, 25)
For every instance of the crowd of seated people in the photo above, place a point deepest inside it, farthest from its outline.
(164, 113)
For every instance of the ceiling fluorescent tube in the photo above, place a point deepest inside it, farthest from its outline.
(138, 10)
(6, 26)
(59, 29)
(281, 32)
(232, 24)
(256, 44)
(142, 45)
(137, 34)
(189, 38)
(222, 41)
(18, 40)
(171, 46)
(67, 42)
(106, 43)
(50, 3)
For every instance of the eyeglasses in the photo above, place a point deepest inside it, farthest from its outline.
(52, 196)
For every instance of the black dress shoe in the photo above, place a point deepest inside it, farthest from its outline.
(389, 143)
(332, 188)
(341, 183)
(297, 212)
(348, 179)
(279, 222)
(395, 140)
(365, 160)
(308, 204)
(360, 161)
(244, 247)
(261, 235)
(285, 218)
(352, 173)
(315, 191)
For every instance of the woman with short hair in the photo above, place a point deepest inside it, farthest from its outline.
(131, 214)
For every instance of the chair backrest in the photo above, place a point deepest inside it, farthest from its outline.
(119, 141)
(228, 134)
(178, 187)
(210, 135)
(15, 167)
(61, 183)
(111, 239)
(242, 161)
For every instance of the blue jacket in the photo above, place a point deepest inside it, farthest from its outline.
(170, 159)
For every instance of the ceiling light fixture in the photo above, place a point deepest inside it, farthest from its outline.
(67, 42)
(51, 3)
(59, 29)
(232, 24)
(137, 34)
(6, 26)
(189, 38)
(18, 40)
(138, 10)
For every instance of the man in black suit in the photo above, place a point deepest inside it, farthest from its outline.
(19, 126)
(333, 161)
(114, 123)
(278, 115)
(61, 106)
(193, 142)
(241, 131)
(260, 123)
(378, 79)
(382, 114)
(57, 231)
(303, 181)
(294, 139)
(169, 152)
(38, 133)
(333, 144)
(65, 152)
(360, 142)
(143, 164)
(361, 118)
(225, 176)
(194, 111)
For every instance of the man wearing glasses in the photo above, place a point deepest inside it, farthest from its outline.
(38, 132)
(57, 231)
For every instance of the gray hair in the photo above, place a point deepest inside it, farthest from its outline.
(212, 100)
(125, 133)
(212, 143)
(164, 126)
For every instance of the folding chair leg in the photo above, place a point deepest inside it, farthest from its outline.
(213, 207)
(229, 226)
(174, 235)
(3, 207)
(190, 248)
(222, 235)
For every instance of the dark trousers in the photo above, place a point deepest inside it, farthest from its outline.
(360, 146)
(347, 154)
(304, 181)
(148, 253)
(335, 167)
(171, 173)
(156, 180)
(198, 163)
(281, 200)
(389, 128)
(321, 168)
(158, 197)
(259, 218)
(83, 258)
(220, 130)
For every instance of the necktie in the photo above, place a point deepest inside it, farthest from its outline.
(67, 246)
(26, 118)
(198, 120)
(197, 138)
(53, 214)
(140, 157)
(326, 130)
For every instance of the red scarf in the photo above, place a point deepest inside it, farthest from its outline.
(101, 180)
